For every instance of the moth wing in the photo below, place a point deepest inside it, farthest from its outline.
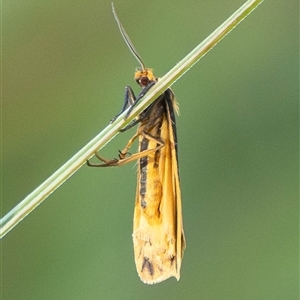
(158, 231)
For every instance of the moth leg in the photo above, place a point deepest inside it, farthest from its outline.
(113, 162)
(122, 154)
(129, 99)
(130, 125)
(124, 160)
(107, 162)
(144, 114)
(140, 96)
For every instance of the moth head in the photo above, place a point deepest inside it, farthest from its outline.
(144, 76)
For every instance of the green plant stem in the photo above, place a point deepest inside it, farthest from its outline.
(26, 206)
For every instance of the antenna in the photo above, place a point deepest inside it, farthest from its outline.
(127, 39)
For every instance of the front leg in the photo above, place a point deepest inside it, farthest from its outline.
(140, 96)
(129, 99)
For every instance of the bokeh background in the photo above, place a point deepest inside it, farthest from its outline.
(64, 69)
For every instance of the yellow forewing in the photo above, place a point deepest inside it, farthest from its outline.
(158, 231)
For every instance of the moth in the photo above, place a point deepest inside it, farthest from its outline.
(158, 236)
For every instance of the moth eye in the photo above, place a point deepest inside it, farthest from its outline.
(144, 81)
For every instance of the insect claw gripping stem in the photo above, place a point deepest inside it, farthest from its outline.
(107, 162)
(122, 154)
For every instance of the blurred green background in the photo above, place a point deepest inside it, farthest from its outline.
(64, 70)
